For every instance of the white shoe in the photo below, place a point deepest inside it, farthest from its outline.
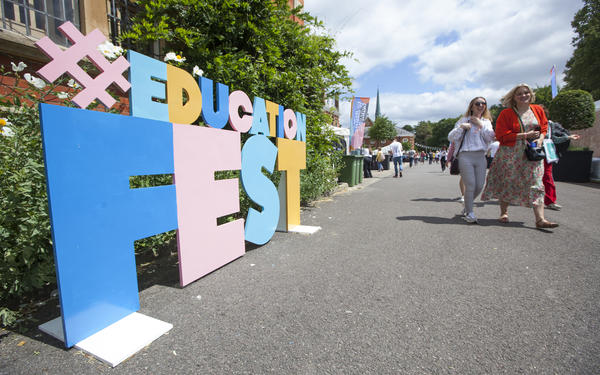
(470, 218)
(461, 199)
(554, 206)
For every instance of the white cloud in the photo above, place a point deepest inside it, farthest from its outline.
(499, 44)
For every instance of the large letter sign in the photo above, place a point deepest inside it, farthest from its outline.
(90, 157)
(204, 246)
(259, 152)
(95, 215)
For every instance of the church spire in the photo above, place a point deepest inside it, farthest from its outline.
(377, 109)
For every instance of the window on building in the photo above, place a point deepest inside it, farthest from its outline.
(37, 18)
(119, 15)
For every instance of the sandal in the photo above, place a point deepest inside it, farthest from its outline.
(545, 224)
(503, 218)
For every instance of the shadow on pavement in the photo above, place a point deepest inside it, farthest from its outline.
(435, 200)
(457, 220)
(454, 200)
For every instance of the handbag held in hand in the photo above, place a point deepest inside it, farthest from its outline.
(534, 153)
(454, 167)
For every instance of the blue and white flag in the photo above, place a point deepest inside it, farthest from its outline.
(553, 81)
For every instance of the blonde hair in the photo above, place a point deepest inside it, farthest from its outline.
(508, 100)
(486, 113)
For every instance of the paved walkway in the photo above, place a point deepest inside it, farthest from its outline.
(395, 282)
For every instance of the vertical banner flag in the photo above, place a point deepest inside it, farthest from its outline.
(553, 81)
(358, 115)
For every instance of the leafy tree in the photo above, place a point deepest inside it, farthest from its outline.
(495, 111)
(583, 68)
(423, 132)
(382, 129)
(409, 128)
(543, 95)
(255, 46)
(574, 109)
(440, 130)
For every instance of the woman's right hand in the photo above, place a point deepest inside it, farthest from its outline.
(533, 134)
(465, 126)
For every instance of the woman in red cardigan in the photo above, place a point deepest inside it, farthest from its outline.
(513, 179)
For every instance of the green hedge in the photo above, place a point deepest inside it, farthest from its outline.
(26, 260)
(573, 109)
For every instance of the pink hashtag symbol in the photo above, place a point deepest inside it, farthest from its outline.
(66, 62)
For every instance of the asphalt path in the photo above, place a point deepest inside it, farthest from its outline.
(394, 283)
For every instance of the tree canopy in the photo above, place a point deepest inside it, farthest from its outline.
(383, 129)
(583, 68)
(423, 132)
(439, 134)
(434, 134)
(495, 111)
(543, 95)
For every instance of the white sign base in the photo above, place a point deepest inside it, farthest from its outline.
(306, 229)
(117, 342)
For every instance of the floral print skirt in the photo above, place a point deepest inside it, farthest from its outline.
(514, 179)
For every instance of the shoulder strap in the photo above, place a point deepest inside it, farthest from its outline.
(520, 121)
(461, 142)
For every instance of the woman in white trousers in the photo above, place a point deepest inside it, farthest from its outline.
(472, 134)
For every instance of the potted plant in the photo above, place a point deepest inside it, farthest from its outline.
(573, 109)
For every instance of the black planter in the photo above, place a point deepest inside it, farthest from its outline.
(573, 166)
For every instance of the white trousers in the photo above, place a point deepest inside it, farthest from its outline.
(472, 166)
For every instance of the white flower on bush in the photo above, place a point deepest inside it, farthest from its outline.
(18, 68)
(73, 84)
(197, 71)
(109, 50)
(7, 132)
(37, 82)
(172, 56)
(4, 129)
(62, 95)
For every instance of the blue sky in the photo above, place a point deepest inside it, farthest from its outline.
(430, 58)
(401, 78)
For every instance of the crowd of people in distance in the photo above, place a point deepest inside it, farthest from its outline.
(398, 156)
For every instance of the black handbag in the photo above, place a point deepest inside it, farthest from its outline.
(532, 153)
(454, 167)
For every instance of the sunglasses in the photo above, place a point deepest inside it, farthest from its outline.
(479, 104)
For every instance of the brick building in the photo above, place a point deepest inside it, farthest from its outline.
(294, 4)
(405, 136)
(25, 22)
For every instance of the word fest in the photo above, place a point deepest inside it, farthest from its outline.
(90, 157)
